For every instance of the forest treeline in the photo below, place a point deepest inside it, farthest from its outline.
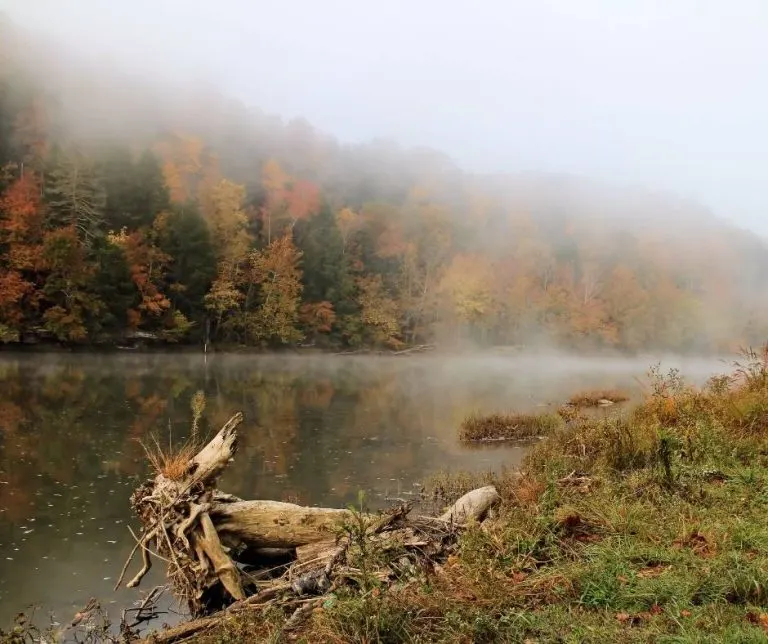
(131, 209)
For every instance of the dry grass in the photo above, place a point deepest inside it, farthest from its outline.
(173, 462)
(594, 398)
(513, 426)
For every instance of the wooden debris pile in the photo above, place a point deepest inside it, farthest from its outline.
(225, 555)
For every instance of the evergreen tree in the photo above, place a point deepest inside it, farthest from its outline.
(75, 194)
(327, 275)
(187, 241)
(135, 190)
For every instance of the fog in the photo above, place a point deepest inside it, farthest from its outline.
(661, 95)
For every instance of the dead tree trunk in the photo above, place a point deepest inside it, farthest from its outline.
(201, 532)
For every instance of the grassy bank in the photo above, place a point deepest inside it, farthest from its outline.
(649, 527)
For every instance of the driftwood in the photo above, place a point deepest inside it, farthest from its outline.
(210, 540)
(420, 348)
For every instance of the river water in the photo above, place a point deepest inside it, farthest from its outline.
(317, 430)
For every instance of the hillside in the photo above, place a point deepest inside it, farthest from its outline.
(133, 205)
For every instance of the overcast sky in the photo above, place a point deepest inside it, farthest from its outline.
(668, 94)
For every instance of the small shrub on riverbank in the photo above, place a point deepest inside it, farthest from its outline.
(596, 397)
(493, 427)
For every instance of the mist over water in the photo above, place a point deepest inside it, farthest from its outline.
(317, 430)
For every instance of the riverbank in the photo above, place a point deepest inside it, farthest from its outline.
(636, 529)
(644, 526)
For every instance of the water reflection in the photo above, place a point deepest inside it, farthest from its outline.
(317, 430)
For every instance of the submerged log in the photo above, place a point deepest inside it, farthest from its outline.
(203, 534)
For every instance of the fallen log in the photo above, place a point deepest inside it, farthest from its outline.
(421, 348)
(208, 539)
(273, 524)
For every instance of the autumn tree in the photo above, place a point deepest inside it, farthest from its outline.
(327, 271)
(231, 242)
(21, 244)
(466, 293)
(276, 272)
(378, 312)
(286, 200)
(184, 162)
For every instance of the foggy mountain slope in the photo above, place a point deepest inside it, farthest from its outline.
(431, 252)
(102, 99)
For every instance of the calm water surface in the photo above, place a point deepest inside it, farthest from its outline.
(317, 430)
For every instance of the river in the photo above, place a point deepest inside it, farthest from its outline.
(317, 430)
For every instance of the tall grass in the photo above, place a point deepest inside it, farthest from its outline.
(511, 426)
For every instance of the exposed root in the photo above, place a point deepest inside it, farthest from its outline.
(147, 564)
(125, 566)
(195, 511)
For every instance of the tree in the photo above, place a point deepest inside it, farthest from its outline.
(13, 291)
(286, 200)
(31, 133)
(223, 211)
(348, 223)
(75, 195)
(70, 305)
(135, 189)
(186, 240)
(317, 318)
(466, 290)
(378, 312)
(113, 285)
(326, 267)
(21, 241)
(276, 271)
(231, 243)
(184, 163)
(147, 264)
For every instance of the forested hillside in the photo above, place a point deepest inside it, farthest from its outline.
(127, 206)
